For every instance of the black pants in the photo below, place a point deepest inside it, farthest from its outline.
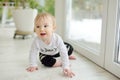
(49, 60)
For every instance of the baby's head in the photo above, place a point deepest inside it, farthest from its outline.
(45, 25)
(44, 18)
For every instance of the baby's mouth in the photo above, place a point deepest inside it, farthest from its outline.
(42, 34)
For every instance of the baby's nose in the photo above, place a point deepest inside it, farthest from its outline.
(41, 28)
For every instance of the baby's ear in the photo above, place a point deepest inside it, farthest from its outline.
(34, 29)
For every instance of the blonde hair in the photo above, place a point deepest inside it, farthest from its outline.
(43, 16)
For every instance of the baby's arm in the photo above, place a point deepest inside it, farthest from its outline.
(65, 59)
(68, 72)
(31, 69)
(33, 58)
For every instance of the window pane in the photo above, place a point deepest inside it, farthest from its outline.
(86, 23)
(117, 56)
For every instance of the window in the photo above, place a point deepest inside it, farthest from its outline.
(86, 23)
(104, 18)
(117, 48)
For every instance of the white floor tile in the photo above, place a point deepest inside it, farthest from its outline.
(14, 60)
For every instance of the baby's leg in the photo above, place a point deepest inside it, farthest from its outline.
(58, 63)
(72, 57)
(49, 61)
(70, 51)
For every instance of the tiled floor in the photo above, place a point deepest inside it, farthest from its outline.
(14, 60)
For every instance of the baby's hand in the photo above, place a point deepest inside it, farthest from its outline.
(31, 69)
(68, 73)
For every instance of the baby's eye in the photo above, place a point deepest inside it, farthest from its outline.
(37, 26)
(45, 26)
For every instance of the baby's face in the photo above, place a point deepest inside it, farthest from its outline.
(44, 28)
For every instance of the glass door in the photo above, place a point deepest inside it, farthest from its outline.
(117, 54)
(93, 28)
(112, 57)
(86, 27)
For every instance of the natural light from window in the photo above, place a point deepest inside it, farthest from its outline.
(86, 23)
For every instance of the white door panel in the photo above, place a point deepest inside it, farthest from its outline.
(111, 59)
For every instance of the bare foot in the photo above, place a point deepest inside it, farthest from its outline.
(57, 64)
(71, 57)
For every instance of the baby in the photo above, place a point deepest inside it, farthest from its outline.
(49, 45)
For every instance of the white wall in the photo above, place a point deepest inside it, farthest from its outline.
(60, 16)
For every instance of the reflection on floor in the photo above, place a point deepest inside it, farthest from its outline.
(14, 60)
